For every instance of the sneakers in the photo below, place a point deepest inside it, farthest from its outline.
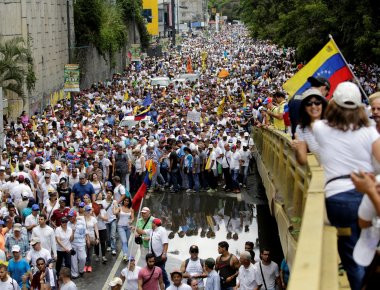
(113, 252)
(89, 269)
(109, 249)
(211, 190)
(188, 190)
(85, 268)
(97, 259)
(104, 260)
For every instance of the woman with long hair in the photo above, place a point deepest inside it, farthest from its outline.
(346, 144)
(93, 236)
(126, 218)
(98, 186)
(312, 108)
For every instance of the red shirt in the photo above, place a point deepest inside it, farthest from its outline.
(152, 283)
(57, 215)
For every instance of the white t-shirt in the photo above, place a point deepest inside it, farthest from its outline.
(308, 137)
(34, 255)
(10, 284)
(131, 278)
(213, 156)
(64, 237)
(235, 158)
(342, 153)
(181, 287)
(101, 222)
(270, 274)
(158, 238)
(69, 286)
(90, 226)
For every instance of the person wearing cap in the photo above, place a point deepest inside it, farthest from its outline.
(176, 276)
(150, 277)
(130, 274)
(213, 279)
(36, 252)
(346, 143)
(16, 238)
(63, 235)
(145, 222)
(18, 266)
(45, 187)
(64, 190)
(109, 204)
(20, 192)
(93, 236)
(312, 108)
(78, 240)
(46, 235)
(193, 267)
(116, 283)
(158, 245)
(31, 221)
(65, 277)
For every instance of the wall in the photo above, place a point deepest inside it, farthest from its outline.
(45, 22)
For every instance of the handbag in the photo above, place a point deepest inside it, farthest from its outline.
(138, 239)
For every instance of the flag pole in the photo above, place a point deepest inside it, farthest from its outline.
(356, 79)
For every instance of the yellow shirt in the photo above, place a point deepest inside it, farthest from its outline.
(279, 123)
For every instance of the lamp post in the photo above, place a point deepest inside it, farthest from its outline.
(173, 22)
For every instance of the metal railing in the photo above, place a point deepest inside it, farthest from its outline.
(296, 199)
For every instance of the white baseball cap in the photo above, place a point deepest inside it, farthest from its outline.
(365, 248)
(347, 95)
(116, 281)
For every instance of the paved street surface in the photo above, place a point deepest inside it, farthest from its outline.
(203, 219)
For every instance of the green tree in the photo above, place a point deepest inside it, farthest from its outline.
(16, 66)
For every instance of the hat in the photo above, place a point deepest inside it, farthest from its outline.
(62, 198)
(82, 204)
(365, 248)
(347, 95)
(87, 208)
(17, 227)
(2, 168)
(116, 281)
(16, 248)
(210, 146)
(157, 222)
(47, 175)
(2, 223)
(246, 134)
(176, 271)
(34, 241)
(318, 82)
(267, 101)
(72, 213)
(13, 174)
(35, 207)
(145, 209)
(312, 92)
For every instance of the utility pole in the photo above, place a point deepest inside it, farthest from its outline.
(69, 47)
(173, 22)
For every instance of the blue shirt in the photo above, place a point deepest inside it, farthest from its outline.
(18, 269)
(82, 189)
(213, 281)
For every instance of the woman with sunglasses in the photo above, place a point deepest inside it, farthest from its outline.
(312, 108)
(126, 218)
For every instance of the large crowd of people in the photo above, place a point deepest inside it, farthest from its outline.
(68, 175)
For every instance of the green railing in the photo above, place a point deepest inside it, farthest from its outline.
(296, 199)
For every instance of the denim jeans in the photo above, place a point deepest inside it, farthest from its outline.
(124, 233)
(174, 179)
(164, 275)
(235, 176)
(196, 182)
(111, 233)
(342, 211)
(244, 169)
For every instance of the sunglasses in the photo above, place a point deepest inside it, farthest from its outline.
(317, 103)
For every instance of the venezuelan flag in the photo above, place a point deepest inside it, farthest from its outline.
(151, 170)
(141, 115)
(328, 63)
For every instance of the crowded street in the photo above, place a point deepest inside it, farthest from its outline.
(149, 178)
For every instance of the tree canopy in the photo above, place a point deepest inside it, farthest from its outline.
(305, 25)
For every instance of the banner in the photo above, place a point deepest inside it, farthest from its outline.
(136, 52)
(71, 78)
(194, 117)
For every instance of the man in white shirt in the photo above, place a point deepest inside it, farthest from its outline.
(247, 273)
(37, 252)
(245, 155)
(268, 275)
(46, 235)
(158, 245)
(6, 282)
(176, 276)
(235, 167)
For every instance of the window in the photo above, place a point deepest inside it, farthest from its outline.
(147, 13)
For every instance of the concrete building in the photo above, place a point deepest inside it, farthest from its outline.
(44, 23)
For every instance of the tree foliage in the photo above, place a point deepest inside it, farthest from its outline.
(100, 23)
(306, 24)
(132, 12)
(16, 66)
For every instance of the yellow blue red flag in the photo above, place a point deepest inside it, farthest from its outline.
(328, 63)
